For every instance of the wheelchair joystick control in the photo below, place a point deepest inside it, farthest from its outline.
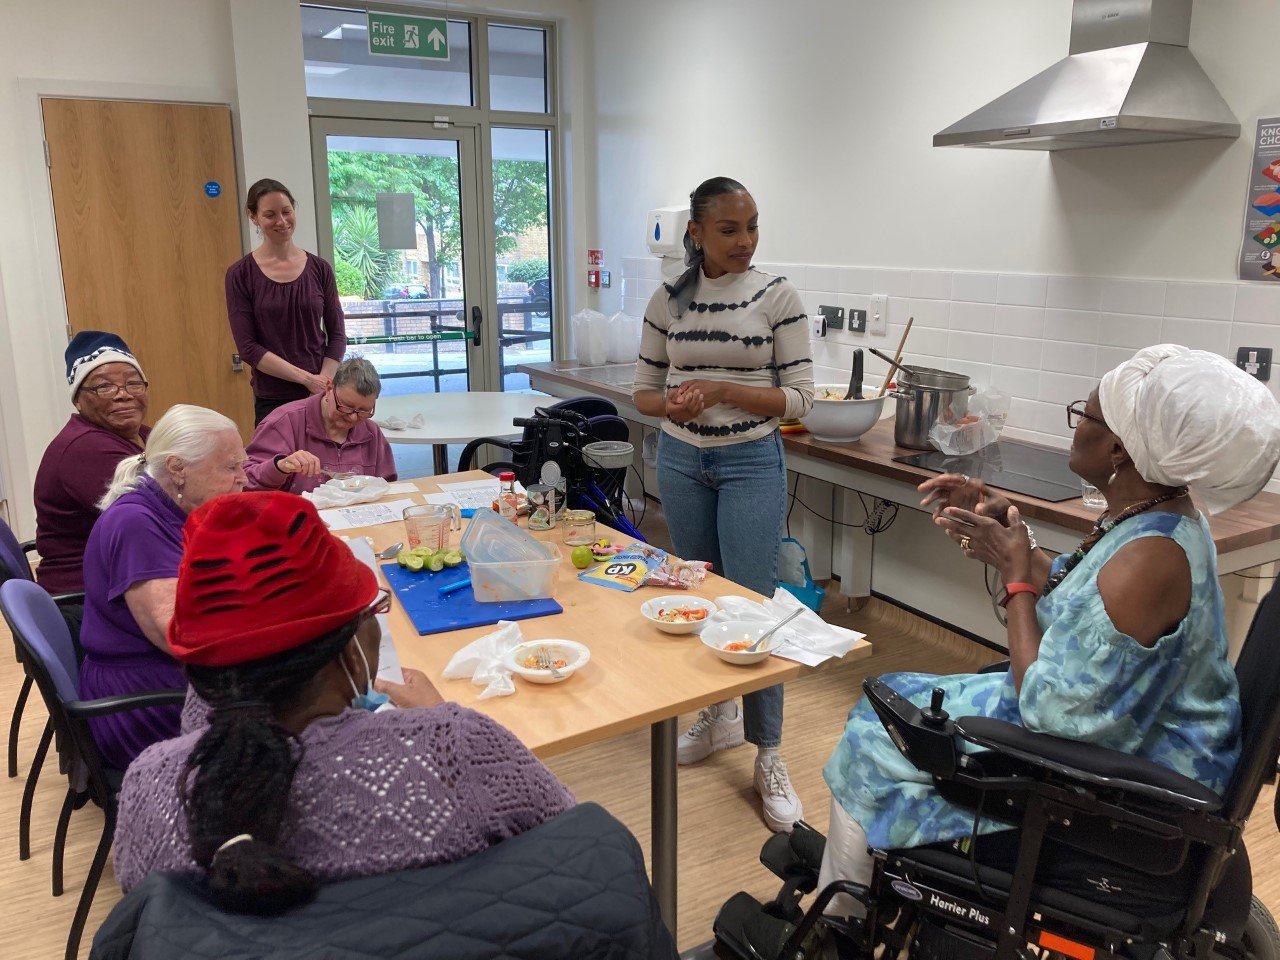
(935, 716)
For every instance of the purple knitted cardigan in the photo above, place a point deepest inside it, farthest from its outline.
(373, 793)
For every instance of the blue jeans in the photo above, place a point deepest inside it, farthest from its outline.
(727, 505)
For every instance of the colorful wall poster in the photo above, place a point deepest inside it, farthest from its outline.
(1260, 248)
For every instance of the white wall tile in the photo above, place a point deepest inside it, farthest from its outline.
(930, 285)
(929, 313)
(822, 278)
(1129, 330)
(1256, 303)
(1015, 381)
(1133, 296)
(1020, 321)
(976, 347)
(979, 374)
(1074, 293)
(1256, 335)
(1018, 351)
(1111, 357)
(1198, 334)
(922, 340)
(974, 317)
(975, 287)
(1064, 388)
(856, 280)
(1201, 301)
(1022, 289)
(899, 310)
(1077, 358)
(895, 283)
(1071, 326)
(1045, 418)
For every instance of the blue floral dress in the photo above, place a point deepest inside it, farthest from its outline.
(1176, 703)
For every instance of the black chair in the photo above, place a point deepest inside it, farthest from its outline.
(1107, 854)
(50, 659)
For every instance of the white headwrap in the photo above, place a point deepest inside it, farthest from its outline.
(1188, 417)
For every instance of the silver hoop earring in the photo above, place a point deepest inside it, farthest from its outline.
(1111, 480)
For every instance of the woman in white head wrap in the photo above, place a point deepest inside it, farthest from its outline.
(1122, 642)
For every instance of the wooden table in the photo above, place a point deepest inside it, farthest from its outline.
(637, 677)
(457, 418)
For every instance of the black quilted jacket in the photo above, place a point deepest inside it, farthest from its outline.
(574, 887)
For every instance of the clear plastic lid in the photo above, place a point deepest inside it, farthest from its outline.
(491, 539)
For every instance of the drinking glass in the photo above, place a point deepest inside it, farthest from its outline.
(1092, 496)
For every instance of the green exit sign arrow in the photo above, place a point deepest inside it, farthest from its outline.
(391, 35)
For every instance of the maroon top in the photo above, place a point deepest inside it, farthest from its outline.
(74, 473)
(300, 426)
(300, 321)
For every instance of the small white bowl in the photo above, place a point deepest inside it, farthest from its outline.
(650, 610)
(576, 653)
(718, 635)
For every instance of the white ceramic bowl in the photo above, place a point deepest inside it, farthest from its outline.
(840, 421)
(575, 653)
(718, 635)
(650, 610)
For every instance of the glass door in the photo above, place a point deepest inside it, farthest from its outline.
(403, 231)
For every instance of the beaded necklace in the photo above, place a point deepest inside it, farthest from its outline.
(1101, 527)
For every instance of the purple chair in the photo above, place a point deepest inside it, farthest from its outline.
(14, 566)
(50, 658)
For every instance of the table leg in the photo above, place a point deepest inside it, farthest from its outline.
(440, 456)
(662, 817)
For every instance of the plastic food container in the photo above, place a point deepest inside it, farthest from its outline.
(503, 580)
(490, 539)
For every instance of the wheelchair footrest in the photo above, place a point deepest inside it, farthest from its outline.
(743, 926)
(796, 855)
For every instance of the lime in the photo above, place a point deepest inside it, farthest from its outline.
(402, 558)
(414, 563)
(582, 557)
(435, 563)
(452, 558)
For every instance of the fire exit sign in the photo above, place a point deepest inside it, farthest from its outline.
(391, 35)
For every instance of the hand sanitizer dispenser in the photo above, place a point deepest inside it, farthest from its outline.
(665, 237)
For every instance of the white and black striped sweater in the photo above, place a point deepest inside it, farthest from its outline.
(748, 328)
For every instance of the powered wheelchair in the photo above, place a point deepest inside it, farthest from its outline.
(1106, 856)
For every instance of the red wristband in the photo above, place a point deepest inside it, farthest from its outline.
(1012, 589)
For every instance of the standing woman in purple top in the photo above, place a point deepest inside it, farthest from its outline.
(131, 568)
(283, 306)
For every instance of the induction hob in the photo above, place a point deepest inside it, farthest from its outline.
(1009, 465)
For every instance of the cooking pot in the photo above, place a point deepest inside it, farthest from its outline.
(925, 396)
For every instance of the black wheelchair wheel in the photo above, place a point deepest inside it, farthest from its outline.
(1261, 938)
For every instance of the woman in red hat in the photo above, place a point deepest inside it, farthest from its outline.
(296, 780)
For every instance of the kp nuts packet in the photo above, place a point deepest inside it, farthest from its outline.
(626, 571)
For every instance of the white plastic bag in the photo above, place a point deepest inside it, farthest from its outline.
(624, 338)
(590, 330)
(347, 492)
(979, 428)
(808, 638)
(481, 661)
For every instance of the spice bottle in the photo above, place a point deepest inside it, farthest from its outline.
(507, 507)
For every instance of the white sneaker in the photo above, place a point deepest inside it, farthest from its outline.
(718, 727)
(782, 808)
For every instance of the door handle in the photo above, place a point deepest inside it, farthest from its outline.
(237, 365)
(477, 319)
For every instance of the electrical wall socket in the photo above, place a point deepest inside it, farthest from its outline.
(857, 321)
(834, 315)
(878, 315)
(1255, 361)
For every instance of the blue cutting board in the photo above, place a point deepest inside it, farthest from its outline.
(419, 594)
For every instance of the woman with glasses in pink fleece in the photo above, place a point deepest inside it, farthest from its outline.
(302, 444)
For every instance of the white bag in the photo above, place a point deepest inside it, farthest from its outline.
(590, 330)
(624, 338)
(481, 661)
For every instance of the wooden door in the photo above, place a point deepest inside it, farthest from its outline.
(144, 247)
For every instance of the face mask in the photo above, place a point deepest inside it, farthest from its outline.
(370, 700)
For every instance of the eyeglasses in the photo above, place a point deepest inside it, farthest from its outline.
(381, 604)
(105, 391)
(347, 411)
(1076, 413)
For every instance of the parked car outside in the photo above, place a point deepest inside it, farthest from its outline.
(405, 291)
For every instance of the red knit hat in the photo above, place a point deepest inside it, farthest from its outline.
(261, 574)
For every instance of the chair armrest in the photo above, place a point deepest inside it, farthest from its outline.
(1090, 764)
(28, 546)
(103, 706)
(1000, 666)
(63, 599)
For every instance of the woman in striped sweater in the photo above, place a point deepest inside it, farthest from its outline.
(724, 355)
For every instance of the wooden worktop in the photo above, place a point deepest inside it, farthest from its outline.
(1254, 522)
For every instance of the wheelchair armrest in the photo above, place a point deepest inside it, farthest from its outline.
(1000, 666)
(28, 546)
(64, 599)
(103, 706)
(1089, 764)
(929, 743)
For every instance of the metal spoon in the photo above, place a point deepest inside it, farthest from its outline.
(390, 552)
(776, 627)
